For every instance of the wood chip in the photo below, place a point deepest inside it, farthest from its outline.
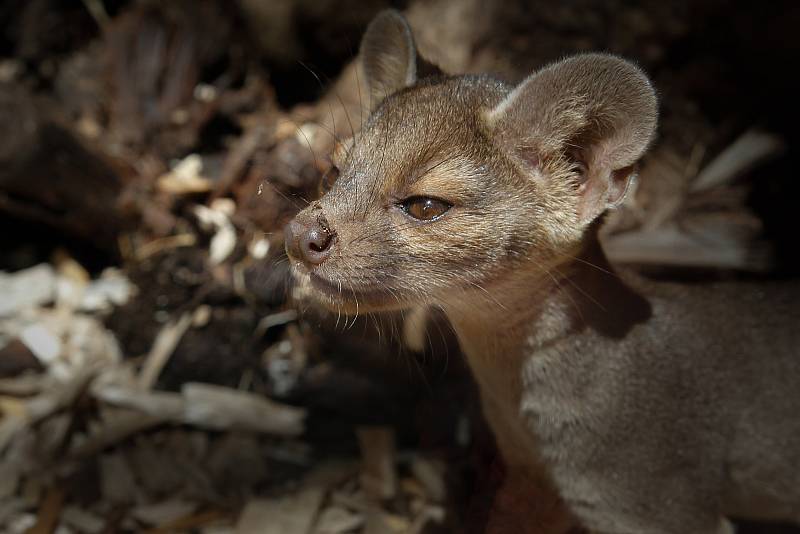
(208, 406)
(669, 245)
(258, 248)
(49, 512)
(21, 524)
(185, 178)
(163, 347)
(162, 244)
(82, 520)
(111, 289)
(200, 520)
(53, 433)
(201, 316)
(378, 476)
(428, 514)
(380, 522)
(23, 386)
(60, 395)
(224, 239)
(751, 148)
(11, 507)
(338, 520)
(160, 405)
(290, 514)
(163, 512)
(351, 501)
(431, 475)
(293, 513)
(274, 319)
(223, 408)
(43, 343)
(26, 289)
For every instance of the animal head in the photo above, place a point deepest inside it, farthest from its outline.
(456, 183)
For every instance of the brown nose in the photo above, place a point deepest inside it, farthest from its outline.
(309, 243)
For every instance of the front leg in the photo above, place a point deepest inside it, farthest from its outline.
(724, 527)
(626, 457)
(628, 490)
(619, 519)
(526, 502)
(523, 505)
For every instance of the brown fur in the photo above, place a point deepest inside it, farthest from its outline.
(653, 408)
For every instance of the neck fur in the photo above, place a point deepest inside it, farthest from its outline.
(510, 321)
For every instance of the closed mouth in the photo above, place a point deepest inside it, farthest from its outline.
(340, 296)
(343, 291)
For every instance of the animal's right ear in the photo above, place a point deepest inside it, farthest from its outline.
(388, 55)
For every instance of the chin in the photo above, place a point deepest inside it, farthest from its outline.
(342, 298)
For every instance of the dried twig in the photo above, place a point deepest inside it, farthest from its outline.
(377, 450)
(751, 148)
(163, 346)
(49, 511)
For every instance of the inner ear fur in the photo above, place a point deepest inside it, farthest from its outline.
(596, 112)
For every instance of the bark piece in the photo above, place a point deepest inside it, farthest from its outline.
(164, 512)
(748, 150)
(291, 513)
(82, 520)
(338, 520)
(431, 475)
(49, 512)
(223, 408)
(26, 289)
(163, 347)
(378, 476)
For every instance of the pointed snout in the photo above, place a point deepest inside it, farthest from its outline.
(308, 241)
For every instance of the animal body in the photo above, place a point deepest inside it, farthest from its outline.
(649, 408)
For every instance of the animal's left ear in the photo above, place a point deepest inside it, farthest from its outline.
(594, 114)
(388, 55)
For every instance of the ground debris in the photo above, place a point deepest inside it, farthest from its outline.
(378, 474)
(185, 178)
(90, 442)
(25, 289)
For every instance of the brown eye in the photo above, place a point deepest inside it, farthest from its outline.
(329, 178)
(425, 208)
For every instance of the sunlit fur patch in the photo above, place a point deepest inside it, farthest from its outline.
(432, 140)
